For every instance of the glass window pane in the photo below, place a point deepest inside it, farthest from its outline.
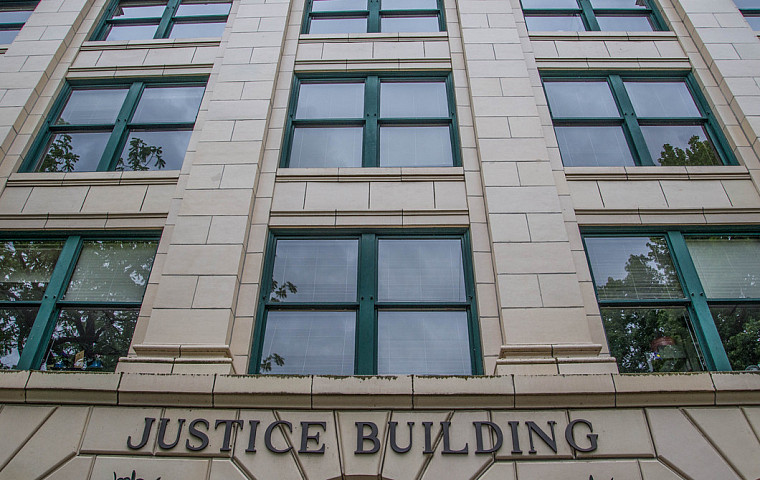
(413, 99)
(420, 270)
(632, 268)
(315, 271)
(90, 339)
(168, 104)
(679, 145)
(593, 146)
(26, 268)
(112, 271)
(15, 16)
(410, 24)
(728, 267)
(619, 4)
(7, 36)
(739, 328)
(154, 150)
(338, 5)
(747, 3)
(74, 152)
(309, 343)
(409, 5)
(330, 100)
(338, 25)
(556, 23)
(140, 9)
(203, 7)
(549, 4)
(131, 32)
(15, 325)
(754, 21)
(415, 147)
(423, 343)
(625, 23)
(580, 99)
(651, 340)
(662, 99)
(92, 107)
(326, 147)
(197, 30)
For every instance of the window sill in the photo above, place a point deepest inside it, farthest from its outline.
(33, 179)
(596, 36)
(717, 172)
(370, 37)
(150, 43)
(390, 174)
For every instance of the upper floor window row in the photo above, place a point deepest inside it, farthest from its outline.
(626, 121)
(362, 16)
(147, 19)
(138, 126)
(751, 11)
(371, 121)
(13, 15)
(582, 15)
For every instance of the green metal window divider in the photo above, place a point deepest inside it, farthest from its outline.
(695, 300)
(50, 305)
(119, 129)
(11, 6)
(164, 24)
(371, 120)
(632, 123)
(366, 304)
(588, 14)
(373, 14)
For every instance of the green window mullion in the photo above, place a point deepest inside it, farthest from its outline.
(587, 12)
(702, 321)
(366, 329)
(373, 21)
(111, 152)
(640, 149)
(44, 323)
(371, 152)
(476, 352)
(166, 20)
(260, 327)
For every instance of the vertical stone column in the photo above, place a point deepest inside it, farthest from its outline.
(725, 53)
(188, 327)
(544, 320)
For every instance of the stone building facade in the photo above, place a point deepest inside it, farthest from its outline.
(341, 239)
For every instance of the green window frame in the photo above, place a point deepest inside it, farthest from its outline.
(153, 19)
(118, 131)
(369, 128)
(70, 302)
(751, 11)
(672, 286)
(358, 298)
(592, 15)
(369, 16)
(629, 136)
(13, 16)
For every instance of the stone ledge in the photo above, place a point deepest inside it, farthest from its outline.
(403, 391)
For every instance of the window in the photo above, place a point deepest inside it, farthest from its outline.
(582, 15)
(359, 16)
(138, 126)
(616, 120)
(371, 121)
(751, 11)
(679, 301)
(368, 304)
(13, 15)
(146, 19)
(70, 303)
